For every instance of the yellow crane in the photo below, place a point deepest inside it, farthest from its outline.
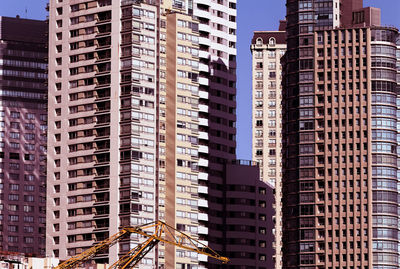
(155, 232)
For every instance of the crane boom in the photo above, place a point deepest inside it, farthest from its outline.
(155, 232)
(91, 252)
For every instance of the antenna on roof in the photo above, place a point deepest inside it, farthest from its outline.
(26, 12)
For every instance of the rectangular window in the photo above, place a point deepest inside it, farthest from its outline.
(30, 116)
(15, 115)
(29, 136)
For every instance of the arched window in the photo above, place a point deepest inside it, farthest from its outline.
(259, 41)
(272, 41)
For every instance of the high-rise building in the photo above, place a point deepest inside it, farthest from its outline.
(267, 48)
(217, 114)
(179, 129)
(340, 138)
(23, 126)
(142, 105)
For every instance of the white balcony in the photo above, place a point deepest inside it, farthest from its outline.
(205, 41)
(203, 108)
(201, 13)
(203, 149)
(203, 135)
(203, 176)
(203, 217)
(202, 189)
(204, 27)
(203, 81)
(203, 67)
(203, 162)
(203, 230)
(204, 54)
(203, 122)
(203, 94)
(202, 203)
(202, 258)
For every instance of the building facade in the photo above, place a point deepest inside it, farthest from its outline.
(217, 114)
(339, 138)
(23, 123)
(102, 157)
(133, 139)
(248, 203)
(267, 48)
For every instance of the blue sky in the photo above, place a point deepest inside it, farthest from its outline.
(256, 15)
(253, 15)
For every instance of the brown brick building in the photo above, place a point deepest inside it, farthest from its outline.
(340, 138)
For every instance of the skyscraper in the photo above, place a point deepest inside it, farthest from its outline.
(141, 129)
(267, 48)
(339, 137)
(23, 127)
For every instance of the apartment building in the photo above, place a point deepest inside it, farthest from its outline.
(340, 137)
(132, 139)
(217, 117)
(267, 48)
(179, 129)
(102, 146)
(23, 126)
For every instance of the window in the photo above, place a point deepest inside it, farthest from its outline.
(14, 187)
(13, 197)
(14, 135)
(29, 136)
(28, 219)
(29, 188)
(272, 41)
(28, 208)
(15, 115)
(14, 166)
(306, 100)
(30, 116)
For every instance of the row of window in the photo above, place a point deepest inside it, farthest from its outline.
(28, 116)
(23, 74)
(271, 75)
(25, 64)
(29, 177)
(28, 147)
(27, 198)
(28, 126)
(27, 136)
(26, 219)
(137, 12)
(269, 53)
(15, 187)
(310, 259)
(27, 167)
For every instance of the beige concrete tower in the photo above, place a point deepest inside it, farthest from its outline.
(124, 99)
(267, 48)
(129, 139)
(179, 128)
(102, 109)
